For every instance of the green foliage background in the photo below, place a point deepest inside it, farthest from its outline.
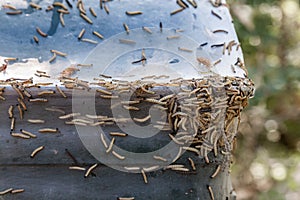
(267, 158)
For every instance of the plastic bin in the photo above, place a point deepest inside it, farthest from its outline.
(153, 97)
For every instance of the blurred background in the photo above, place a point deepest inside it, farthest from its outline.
(267, 157)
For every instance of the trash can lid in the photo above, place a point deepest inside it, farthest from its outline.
(198, 39)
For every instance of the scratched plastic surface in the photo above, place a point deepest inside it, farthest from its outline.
(197, 24)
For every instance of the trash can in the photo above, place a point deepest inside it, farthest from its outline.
(119, 99)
